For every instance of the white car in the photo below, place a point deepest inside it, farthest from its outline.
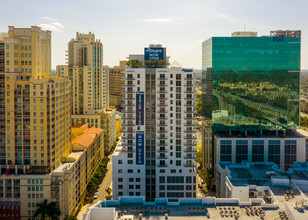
(95, 195)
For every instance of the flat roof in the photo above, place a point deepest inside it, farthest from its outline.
(298, 133)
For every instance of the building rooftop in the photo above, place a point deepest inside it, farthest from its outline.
(298, 133)
(203, 208)
(87, 138)
(284, 188)
(79, 125)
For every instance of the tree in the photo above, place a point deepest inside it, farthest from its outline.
(148, 63)
(108, 191)
(140, 64)
(134, 64)
(71, 217)
(156, 63)
(128, 63)
(50, 210)
(161, 63)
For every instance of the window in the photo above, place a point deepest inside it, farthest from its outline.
(120, 179)
(225, 150)
(274, 151)
(241, 150)
(257, 150)
(120, 162)
(289, 153)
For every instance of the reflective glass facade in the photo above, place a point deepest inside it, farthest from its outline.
(251, 83)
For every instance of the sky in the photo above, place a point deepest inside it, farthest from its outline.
(127, 26)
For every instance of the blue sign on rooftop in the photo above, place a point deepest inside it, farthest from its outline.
(153, 53)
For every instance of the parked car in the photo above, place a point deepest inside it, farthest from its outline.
(95, 195)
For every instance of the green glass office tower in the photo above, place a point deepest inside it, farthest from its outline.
(251, 83)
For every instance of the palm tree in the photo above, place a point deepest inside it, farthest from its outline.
(148, 63)
(50, 210)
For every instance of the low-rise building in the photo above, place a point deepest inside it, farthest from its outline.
(105, 120)
(281, 148)
(66, 185)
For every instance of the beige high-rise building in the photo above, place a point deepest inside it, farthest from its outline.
(116, 83)
(85, 70)
(35, 122)
(28, 51)
(35, 109)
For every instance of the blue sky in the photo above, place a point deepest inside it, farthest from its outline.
(127, 26)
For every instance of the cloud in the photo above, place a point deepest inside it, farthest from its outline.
(160, 20)
(52, 25)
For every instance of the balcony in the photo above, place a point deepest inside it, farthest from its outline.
(162, 98)
(190, 137)
(162, 105)
(127, 98)
(128, 131)
(162, 124)
(187, 164)
(128, 92)
(162, 157)
(188, 85)
(128, 137)
(162, 131)
(128, 124)
(188, 78)
(162, 144)
(162, 78)
(129, 111)
(192, 157)
(162, 165)
(189, 92)
(193, 144)
(128, 78)
(162, 150)
(161, 85)
(189, 125)
(164, 111)
(189, 111)
(190, 98)
(192, 150)
(189, 105)
(162, 118)
(129, 118)
(162, 138)
(190, 131)
(128, 105)
(162, 92)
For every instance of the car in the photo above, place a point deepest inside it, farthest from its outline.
(95, 195)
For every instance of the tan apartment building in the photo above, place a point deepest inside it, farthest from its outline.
(66, 185)
(89, 80)
(116, 74)
(34, 120)
(89, 84)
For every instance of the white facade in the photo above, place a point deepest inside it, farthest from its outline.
(169, 145)
(281, 150)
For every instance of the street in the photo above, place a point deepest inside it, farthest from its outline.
(107, 181)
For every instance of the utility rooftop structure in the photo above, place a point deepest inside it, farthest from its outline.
(265, 184)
